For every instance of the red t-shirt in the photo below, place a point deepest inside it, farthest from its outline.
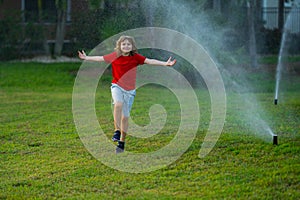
(124, 69)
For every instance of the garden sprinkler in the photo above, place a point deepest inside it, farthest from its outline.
(275, 139)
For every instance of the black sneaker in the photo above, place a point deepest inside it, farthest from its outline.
(120, 148)
(116, 136)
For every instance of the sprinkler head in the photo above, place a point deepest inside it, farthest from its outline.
(275, 139)
(275, 101)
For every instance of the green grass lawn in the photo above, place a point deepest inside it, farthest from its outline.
(42, 156)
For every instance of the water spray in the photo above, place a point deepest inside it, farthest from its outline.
(215, 35)
(283, 46)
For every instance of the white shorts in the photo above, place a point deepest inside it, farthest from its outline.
(126, 97)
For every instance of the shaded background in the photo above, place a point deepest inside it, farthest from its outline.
(60, 27)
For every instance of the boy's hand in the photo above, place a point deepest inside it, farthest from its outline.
(171, 62)
(82, 55)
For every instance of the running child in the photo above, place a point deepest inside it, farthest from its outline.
(124, 61)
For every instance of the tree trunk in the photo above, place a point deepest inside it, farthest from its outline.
(280, 15)
(60, 32)
(259, 10)
(41, 21)
(251, 27)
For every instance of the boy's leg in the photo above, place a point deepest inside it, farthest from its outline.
(122, 105)
(124, 128)
(117, 112)
(117, 115)
(128, 101)
(117, 121)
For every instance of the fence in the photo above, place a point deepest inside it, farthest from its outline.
(291, 18)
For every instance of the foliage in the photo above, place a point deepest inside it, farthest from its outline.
(18, 39)
(34, 37)
(11, 36)
(95, 4)
(104, 18)
(86, 33)
(293, 43)
(100, 24)
(122, 21)
(268, 41)
(61, 4)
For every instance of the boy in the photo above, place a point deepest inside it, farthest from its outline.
(124, 61)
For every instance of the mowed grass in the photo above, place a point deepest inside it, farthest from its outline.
(42, 156)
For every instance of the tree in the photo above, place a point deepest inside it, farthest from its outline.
(281, 12)
(95, 4)
(225, 9)
(253, 16)
(41, 21)
(280, 15)
(61, 6)
(251, 29)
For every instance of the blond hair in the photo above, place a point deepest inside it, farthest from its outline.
(122, 39)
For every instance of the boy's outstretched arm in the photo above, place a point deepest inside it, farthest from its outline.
(169, 62)
(83, 56)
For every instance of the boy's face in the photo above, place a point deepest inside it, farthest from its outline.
(126, 47)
